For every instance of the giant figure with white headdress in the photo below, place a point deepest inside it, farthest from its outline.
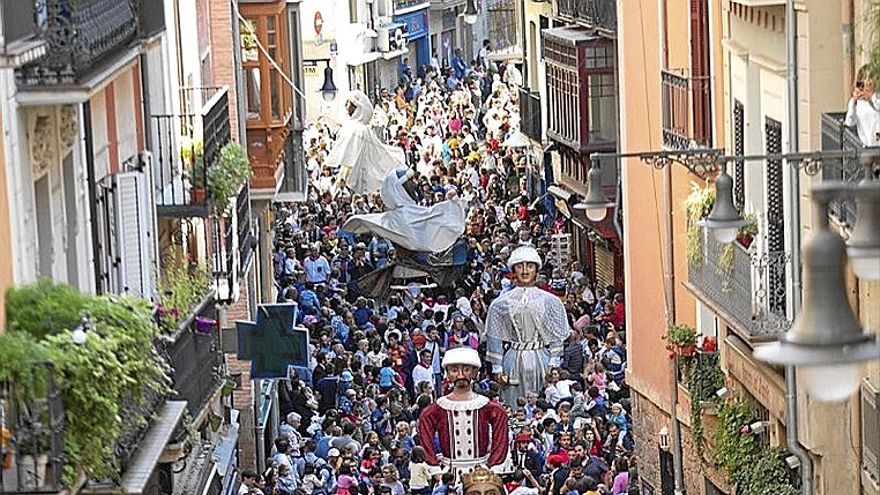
(534, 324)
(362, 159)
(472, 430)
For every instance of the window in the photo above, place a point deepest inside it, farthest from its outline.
(268, 97)
(702, 98)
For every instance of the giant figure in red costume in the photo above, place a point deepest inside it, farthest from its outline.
(472, 430)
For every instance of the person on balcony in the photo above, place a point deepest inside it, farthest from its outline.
(863, 109)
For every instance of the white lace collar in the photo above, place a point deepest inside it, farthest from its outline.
(475, 402)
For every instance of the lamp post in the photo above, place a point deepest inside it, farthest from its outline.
(470, 12)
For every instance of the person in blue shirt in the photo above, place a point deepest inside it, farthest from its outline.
(403, 69)
(308, 298)
(387, 376)
(459, 65)
(362, 313)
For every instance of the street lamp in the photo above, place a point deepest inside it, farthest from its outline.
(724, 221)
(825, 341)
(470, 12)
(80, 334)
(595, 204)
(328, 89)
(863, 247)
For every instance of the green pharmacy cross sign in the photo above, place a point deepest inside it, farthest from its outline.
(274, 343)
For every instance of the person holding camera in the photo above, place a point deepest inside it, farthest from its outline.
(863, 109)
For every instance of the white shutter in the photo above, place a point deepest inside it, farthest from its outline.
(134, 235)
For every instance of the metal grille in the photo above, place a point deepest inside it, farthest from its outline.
(197, 362)
(836, 136)
(739, 173)
(530, 113)
(776, 215)
(80, 33)
(604, 264)
(34, 428)
(674, 100)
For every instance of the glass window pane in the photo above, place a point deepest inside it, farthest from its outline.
(275, 96)
(602, 108)
(253, 83)
(248, 35)
(270, 23)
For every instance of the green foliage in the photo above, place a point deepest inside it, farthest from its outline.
(750, 228)
(116, 365)
(44, 308)
(183, 285)
(192, 152)
(681, 336)
(753, 470)
(703, 377)
(697, 206)
(228, 175)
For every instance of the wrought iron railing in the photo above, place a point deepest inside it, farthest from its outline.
(599, 14)
(684, 97)
(196, 357)
(837, 136)
(80, 34)
(736, 281)
(185, 147)
(530, 113)
(31, 435)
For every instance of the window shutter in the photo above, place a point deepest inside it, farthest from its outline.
(702, 110)
(776, 216)
(871, 432)
(739, 179)
(604, 265)
(134, 234)
(105, 198)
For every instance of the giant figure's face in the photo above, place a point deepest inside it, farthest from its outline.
(484, 489)
(460, 374)
(526, 273)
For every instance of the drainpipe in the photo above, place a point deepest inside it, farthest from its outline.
(669, 278)
(525, 43)
(239, 74)
(88, 137)
(791, 413)
(145, 96)
(846, 28)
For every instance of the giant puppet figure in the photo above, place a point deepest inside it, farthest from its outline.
(532, 322)
(361, 157)
(482, 481)
(472, 430)
(406, 223)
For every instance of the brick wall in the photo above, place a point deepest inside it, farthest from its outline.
(239, 310)
(648, 419)
(221, 55)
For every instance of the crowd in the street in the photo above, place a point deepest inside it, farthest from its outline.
(349, 428)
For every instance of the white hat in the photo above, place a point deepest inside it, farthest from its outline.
(524, 253)
(461, 355)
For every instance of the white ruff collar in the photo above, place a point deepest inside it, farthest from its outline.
(475, 402)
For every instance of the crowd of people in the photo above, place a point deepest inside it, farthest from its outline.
(350, 427)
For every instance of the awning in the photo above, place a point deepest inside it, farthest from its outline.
(135, 479)
(559, 192)
(363, 58)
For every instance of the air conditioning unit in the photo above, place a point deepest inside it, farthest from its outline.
(391, 37)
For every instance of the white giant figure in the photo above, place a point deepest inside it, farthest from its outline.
(361, 157)
(431, 229)
(532, 321)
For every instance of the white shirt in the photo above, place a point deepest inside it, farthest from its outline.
(865, 116)
(423, 374)
(317, 270)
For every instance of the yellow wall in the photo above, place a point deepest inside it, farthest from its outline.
(6, 276)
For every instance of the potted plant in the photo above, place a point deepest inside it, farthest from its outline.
(192, 153)
(746, 234)
(225, 178)
(681, 340)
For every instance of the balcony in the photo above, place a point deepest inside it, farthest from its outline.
(196, 357)
(686, 104)
(836, 136)
(82, 36)
(21, 42)
(184, 148)
(597, 14)
(530, 114)
(744, 286)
